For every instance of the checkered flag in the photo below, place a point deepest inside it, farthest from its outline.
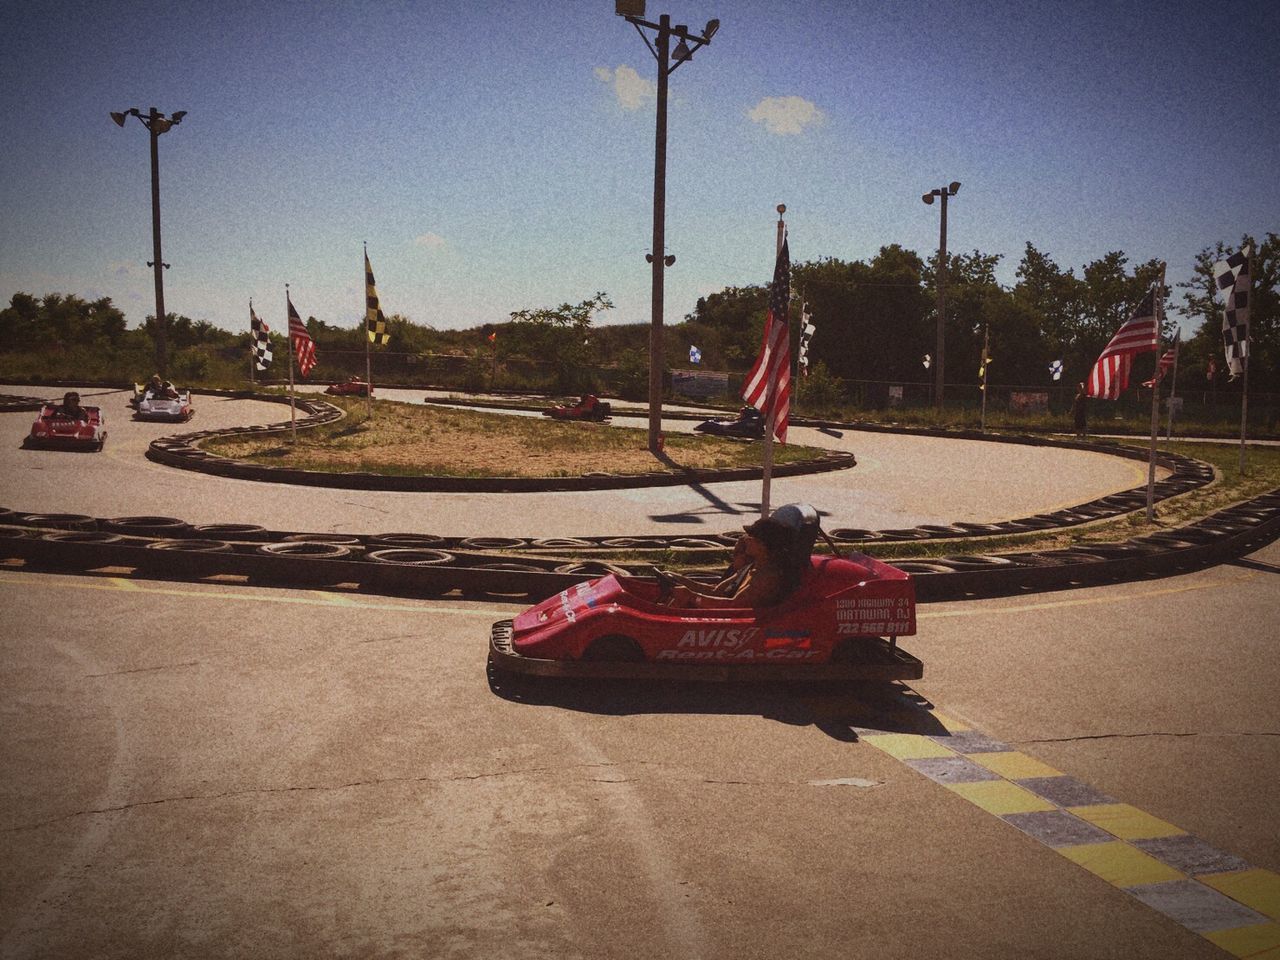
(695, 355)
(806, 334)
(1232, 275)
(260, 346)
(1055, 369)
(375, 323)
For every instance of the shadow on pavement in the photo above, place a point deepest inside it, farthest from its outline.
(1254, 565)
(840, 710)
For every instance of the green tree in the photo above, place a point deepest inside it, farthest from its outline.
(560, 337)
(61, 322)
(1054, 296)
(869, 315)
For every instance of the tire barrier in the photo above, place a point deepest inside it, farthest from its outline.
(492, 543)
(147, 526)
(591, 568)
(231, 531)
(73, 541)
(191, 546)
(380, 540)
(408, 556)
(311, 549)
(61, 521)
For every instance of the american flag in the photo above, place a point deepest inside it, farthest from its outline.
(261, 342)
(1232, 275)
(375, 324)
(768, 385)
(1167, 360)
(304, 347)
(1110, 375)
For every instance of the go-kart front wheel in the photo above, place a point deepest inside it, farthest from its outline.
(614, 648)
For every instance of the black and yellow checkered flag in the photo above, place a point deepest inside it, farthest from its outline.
(375, 323)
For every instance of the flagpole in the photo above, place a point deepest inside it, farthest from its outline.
(253, 346)
(767, 458)
(1244, 361)
(293, 413)
(795, 363)
(986, 347)
(368, 362)
(1158, 309)
(1173, 382)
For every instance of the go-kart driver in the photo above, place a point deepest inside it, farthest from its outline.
(758, 575)
(160, 389)
(71, 408)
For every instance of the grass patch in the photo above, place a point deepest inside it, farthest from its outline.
(411, 440)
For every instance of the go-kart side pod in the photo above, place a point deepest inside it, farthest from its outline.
(881, 660)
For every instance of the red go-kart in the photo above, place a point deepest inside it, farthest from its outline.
(353, 387)
(840, 623)
(588, 407)
(53, 428)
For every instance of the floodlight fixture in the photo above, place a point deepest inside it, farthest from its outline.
(710, 30)
(954, 187)
(928, 198)
(628, 8)
(682, 52)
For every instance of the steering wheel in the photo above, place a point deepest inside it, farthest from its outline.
(666, 584)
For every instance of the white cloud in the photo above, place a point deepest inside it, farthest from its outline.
(786, 115)
(127, 269)
(632, 90)
(432, 241)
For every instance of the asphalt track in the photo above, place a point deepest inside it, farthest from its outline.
(193, 770)
(898, 482)
(200, 770)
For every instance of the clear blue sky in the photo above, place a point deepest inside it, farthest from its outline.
(498, 156)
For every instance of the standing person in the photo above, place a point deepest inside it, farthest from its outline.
(1080, 411)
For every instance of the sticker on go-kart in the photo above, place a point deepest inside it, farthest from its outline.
(728, 638)
(874, 615)
(738, 655)
(798, 639)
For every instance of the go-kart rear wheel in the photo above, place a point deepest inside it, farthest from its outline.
(856, 650)
(614, 648)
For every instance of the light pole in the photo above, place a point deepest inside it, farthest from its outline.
(156, 123)
(943, 192)
(633, 12)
